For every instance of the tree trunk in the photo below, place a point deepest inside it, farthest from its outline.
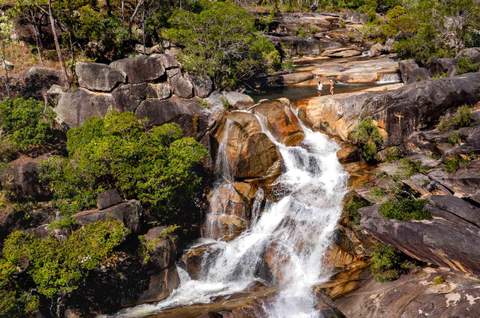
(36, 34)
(7, 79)
(57, 44)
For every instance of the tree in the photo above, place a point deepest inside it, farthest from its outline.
(426, 29)
(5, 31)
(221, 41)
(156, 167)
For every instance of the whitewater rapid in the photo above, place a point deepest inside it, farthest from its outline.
(299, 227)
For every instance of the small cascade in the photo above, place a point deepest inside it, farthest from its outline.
(289, 236)
(389, 78)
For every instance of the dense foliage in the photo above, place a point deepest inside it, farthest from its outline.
(351, 207)
(26, 125)
(56, 267)
(367, 136)
(405, 209)
(463, 117)
(387, 263)
(155, 166)
(221, 41)
(424, 29)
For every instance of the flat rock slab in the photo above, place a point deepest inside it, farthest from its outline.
(415, 295)
(448, 239)
(357, 71)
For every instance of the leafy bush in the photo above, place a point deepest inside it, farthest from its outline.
(405, 209)
(424, 28)
(465, 65)
(155, 167)
(392, 154)
(367, 136)
(454, 138)
(411, 167)
(387, 263)
(453, 163)
(463, 117)
(221, 41)
(351, 208)
(56, 267)
(26, 124)
(437, 280)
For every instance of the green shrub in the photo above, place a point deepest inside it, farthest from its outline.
(465, 65)
(221, 41)
(26, 124)
(463, 117)
(387, 263)
(367, 136)
(351, 209)
(156, 167)
(419, 27)
(393, 154)
(405, 209)
(58, 267)
(411, 167)
(377, 192)
(454, 138)
(437, 280)
(8, 150)
(453, 163)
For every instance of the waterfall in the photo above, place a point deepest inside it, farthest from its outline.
(296, 230)
(389, 78)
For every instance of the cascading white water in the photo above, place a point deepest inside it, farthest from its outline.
(389, 78)
(298, 227)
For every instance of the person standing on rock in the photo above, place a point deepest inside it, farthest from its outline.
(320, 81)
(332, 86)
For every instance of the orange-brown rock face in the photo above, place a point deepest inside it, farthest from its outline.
(248, 152)
(230, 210)
(281, 121)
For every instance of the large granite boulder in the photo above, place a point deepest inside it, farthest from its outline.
(411, 72)
(425, 293)
(246, 150)
(37, 81)
(160, 255)
(20, 179)
(202, 85)
(159, 90)
(98, 77)
(181, 85)
(116, 284)
(168, 61)
(237, 100)
(186, 112)
(128, 212)
(76, 107)
(281, 121)
(472, 53)
(140, 69)
(127, 97)
(108, 198)
(449, 239)
(400, 112)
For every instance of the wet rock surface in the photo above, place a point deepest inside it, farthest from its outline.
(249, 152)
